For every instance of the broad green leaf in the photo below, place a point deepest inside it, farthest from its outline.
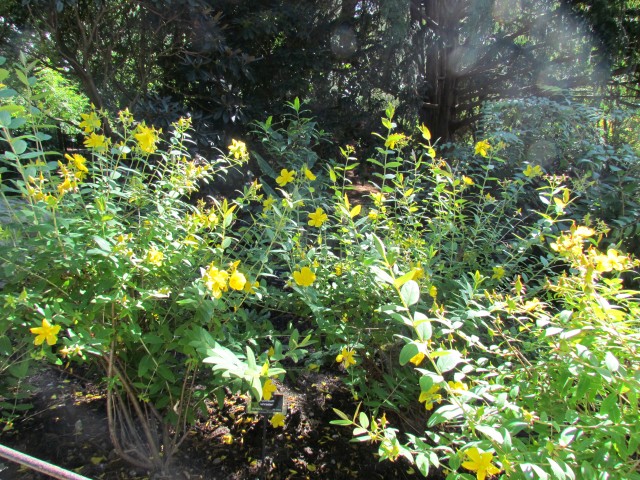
(611, 362)
(380, 248)
(422, 464)
(492, 433)
(381, 275)
(449, 360)
(558, 472)
(102, 243)
(444, 414)
(423, 329)
(5, 119)
(409, 351)
(363, 419)
(400, 281)
(410, 293)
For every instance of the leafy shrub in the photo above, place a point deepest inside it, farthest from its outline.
(475, 339)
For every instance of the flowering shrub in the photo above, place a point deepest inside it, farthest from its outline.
(476, 340)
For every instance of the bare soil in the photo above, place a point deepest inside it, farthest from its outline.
(68, 427)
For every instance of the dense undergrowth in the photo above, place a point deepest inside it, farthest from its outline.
(480, 312)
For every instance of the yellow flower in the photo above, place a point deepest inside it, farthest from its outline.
(277, 420)
(467, 180)
(96, 142)
(286, 176)
(66, 186)
(147, 138)
(346, 357)
(237, 280)
(611, 261)
(583, 232)
(125, 117)
(317, 218)
(238, 150)
(215, 280)
(250, 287)
(154, 256)
(309, 174)
(430, 397)
(268, 389)
(498, 272)
(395, 139)
(79, 164)
(425, 132)
(481, 463)
(433, 292)
(482, 148)
(305, 277)
(457, 387)
(46, 332)
(90, 122)
(532, 171)
(227, 439)
(268, 203)
(417, 358)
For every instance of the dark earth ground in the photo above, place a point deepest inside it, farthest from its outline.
(68, 427)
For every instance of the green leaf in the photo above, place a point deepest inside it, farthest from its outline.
(422, 464)
(611, 362)
(423, 326)
(533, 471)
(610, 408)
(19, 369)
(380, 248)
(102, 243)
(5, 119)
(343, 423)
(409, 351)
(449, 360)
(264, 166)
(558, 472)
(5, 346)
(166, 373)
(410, 293)
(364, 420)
(381, 275)
(491, 433)
(400, 281)
(8, 93)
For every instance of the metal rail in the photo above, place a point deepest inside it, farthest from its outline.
(39, 465)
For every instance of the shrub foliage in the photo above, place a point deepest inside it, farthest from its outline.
(477, 339)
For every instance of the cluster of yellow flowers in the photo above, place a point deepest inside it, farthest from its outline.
(571, 244)
(36, 190)
(592, 261)
(147, 138)
(430, 397)
(287, 176)
(73, 172)
(219, 281)
(238, 150)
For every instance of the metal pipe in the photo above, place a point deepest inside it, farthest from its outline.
(39, 465)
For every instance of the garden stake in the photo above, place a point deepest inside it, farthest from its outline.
(264, 447)
(39, 465)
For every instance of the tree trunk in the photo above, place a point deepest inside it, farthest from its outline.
(442, 24)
